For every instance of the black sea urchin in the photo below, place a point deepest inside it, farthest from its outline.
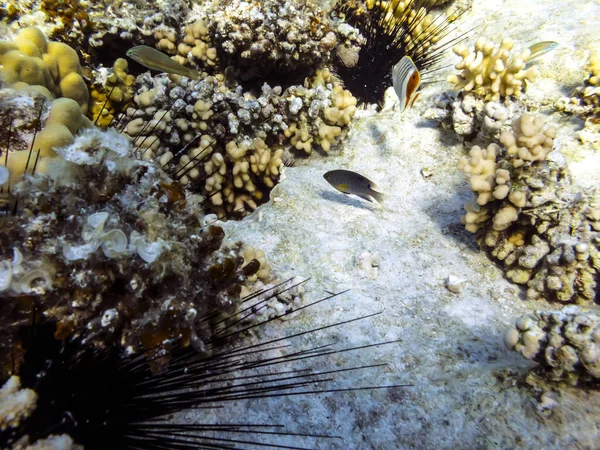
(105, 401)
(394, 29)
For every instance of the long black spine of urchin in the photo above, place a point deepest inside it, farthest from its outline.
(104, 400)
(388, 39)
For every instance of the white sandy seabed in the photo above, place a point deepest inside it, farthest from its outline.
(467, 389)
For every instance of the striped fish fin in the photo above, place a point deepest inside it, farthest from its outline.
(406, 80)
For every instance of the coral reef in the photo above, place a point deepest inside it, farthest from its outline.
(531, 218)
(103, 245)
(32, 63)
(232, 140)
(565, 343)
(472, 118)
(273, 36)
(491, 71)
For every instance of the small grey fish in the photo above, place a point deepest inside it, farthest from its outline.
(350, 182)
(406, 79)
(155, 60)
(541, 48)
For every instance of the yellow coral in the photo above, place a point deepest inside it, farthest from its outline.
(492, 72)
(119, 84)
(64, 121)
(31, 60)
(594, 68)
(528, 141)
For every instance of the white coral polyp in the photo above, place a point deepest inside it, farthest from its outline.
(148, 251)
(114, 242)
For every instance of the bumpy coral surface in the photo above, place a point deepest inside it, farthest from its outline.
(530, 217)
(227, 143)
(565, 343)
(33, 135)
(115, 251)
(492, 71)
(31, 62)
(271, 35)
(111, 93)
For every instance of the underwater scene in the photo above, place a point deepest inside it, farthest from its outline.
(299, 224)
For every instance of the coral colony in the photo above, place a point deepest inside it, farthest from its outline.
(116, 175)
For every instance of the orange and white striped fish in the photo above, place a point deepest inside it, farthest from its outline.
(406, 79)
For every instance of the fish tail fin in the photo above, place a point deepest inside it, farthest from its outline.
(379, 196)
(194, 74)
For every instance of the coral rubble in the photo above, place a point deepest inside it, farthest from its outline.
(531, 218)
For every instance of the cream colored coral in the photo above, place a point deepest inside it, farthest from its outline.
(327, 135)
(203, 112)
(264, 272)
(343, 109)
(490, 71)
(528, 141)
(476, 215)
(166, 40)
(187, 168)
(594, 68)
(197, 44)
(299, 137)
(136, 130)
(15, 403)
(481, 165)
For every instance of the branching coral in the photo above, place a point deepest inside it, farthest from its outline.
(232, 140)
(531, 218)
(30, 62)
(565, 343)
(491, 71)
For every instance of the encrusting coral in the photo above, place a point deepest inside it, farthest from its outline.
(531, 218)
(102, 245)
(491, 71)
(31, 62)
(565, 343)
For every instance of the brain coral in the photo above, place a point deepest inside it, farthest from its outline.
(531, 218)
